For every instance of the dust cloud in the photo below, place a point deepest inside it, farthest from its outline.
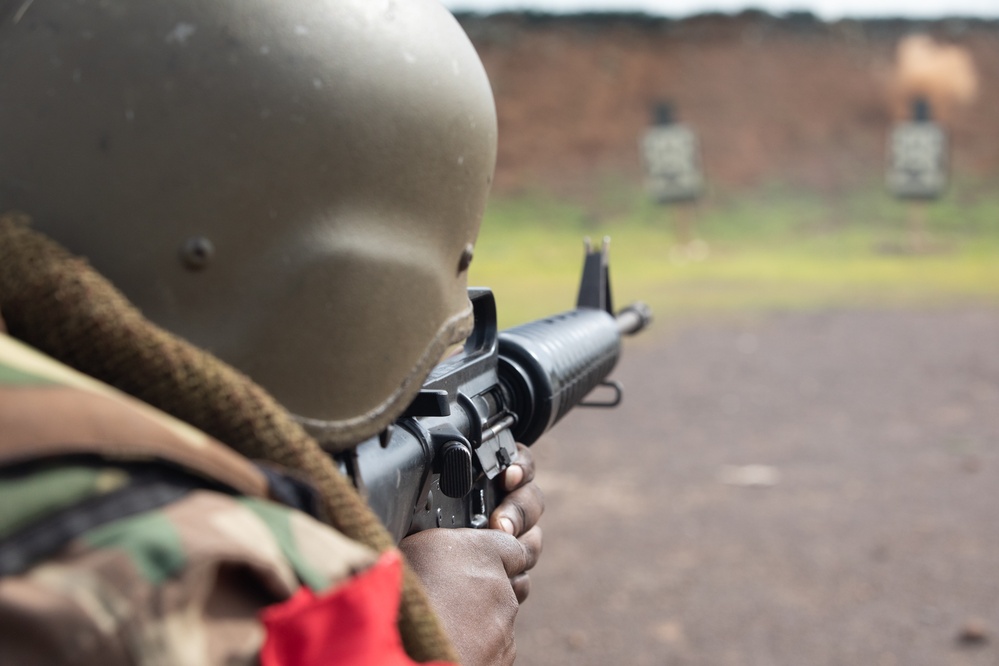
(942, 74)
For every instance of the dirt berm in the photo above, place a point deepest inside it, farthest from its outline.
(791, 100)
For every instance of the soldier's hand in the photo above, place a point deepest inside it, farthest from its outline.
(520, 510)
(476, 579)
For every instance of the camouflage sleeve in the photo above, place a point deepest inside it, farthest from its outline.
(183, 584)
(107, 559)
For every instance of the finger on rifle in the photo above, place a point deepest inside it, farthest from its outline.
(519, 555)
(521, 472)
(519, 511)
(521, 584)
(532, 541)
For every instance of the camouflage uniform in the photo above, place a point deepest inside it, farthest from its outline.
(128, 537)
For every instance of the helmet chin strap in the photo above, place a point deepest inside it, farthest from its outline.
(59, 304)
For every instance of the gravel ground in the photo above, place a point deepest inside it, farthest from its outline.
(812, 489)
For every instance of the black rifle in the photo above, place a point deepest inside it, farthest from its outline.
(435, 467)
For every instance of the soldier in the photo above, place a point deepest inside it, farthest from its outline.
(235, 231)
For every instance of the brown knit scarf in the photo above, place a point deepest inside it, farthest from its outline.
(59, 304)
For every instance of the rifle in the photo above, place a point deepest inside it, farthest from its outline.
(436, 465)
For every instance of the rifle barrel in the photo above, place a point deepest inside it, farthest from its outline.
(633, 318)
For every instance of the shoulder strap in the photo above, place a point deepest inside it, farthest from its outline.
(40, 525)
(48, 409)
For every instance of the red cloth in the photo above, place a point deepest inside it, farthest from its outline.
(353, 624)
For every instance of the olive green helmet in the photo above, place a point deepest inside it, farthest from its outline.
(294, 186)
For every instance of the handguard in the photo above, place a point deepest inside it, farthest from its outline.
(435, 467)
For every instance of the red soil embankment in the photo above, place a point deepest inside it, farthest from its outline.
(791, 100)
